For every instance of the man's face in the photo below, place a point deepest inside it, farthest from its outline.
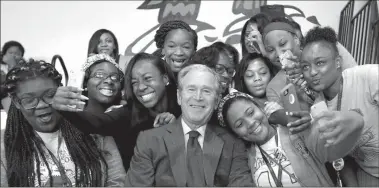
(198, 97)
(320, 65)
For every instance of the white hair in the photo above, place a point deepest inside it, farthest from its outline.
(200, 68)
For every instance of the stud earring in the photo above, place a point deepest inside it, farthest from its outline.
(167, 83)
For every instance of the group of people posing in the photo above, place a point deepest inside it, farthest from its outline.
(183, 116)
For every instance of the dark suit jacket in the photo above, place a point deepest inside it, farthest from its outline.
(160, 158)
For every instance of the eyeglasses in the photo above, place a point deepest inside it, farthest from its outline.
(32, 102)
(220, 69)
(115, 77)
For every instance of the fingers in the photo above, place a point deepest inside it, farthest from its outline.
(299, 114)
(302, 120)
(324, 114)
(70, 93)
(163, 119)
(169, 119)
(271, 107)
(63, 104)
(300, 128)
(155, 121)
(75, 89)
(325, 126)
(332, 137)
(62, 107)
(294, 72)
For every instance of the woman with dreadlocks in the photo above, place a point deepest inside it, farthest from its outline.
(42, 148)
(176, 42)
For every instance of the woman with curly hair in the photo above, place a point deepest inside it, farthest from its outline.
(40, 148)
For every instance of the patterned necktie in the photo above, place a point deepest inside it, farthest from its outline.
(195, 171)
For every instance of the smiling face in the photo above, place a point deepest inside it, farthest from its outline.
(106, 44)
(278, 42)
(178, 48)
(319, 63)
(43, 118)
(103, 90)
(148, 83)
(256, 78)
(198, 97)
(248, 121)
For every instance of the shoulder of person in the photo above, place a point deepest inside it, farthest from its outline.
(348, 60)
(280, 80)
(365, 71)
(157, 132)
(223, 132)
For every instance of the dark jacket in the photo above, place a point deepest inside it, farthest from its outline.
(159, 158)
(117, 123)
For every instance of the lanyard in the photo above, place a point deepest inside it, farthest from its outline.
(278, 180)
(62, 171)
(339, 163)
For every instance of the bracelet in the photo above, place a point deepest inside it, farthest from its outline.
(357, 110)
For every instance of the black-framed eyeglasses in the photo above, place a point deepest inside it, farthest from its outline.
(115, 77)
(32, 102)
(220, 69)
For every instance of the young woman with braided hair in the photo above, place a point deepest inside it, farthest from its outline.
(150, 92)
(40, 148)
(176, 42)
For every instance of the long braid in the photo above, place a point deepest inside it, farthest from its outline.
(23, 147)
(168, 26)
(85, 154)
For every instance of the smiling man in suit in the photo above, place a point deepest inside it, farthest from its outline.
(191, 152)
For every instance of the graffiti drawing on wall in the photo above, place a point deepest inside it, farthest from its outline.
(188, 11)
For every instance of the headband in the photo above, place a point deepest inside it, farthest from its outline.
(277, 26)
(99, 57)
(232, 94)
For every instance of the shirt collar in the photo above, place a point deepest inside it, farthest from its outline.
(187, 129)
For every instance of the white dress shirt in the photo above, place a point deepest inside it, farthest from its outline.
(187, 129)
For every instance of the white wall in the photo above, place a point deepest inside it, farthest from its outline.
(46, 28)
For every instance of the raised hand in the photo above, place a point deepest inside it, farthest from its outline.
(271, 107)
(163, 119)
(256, 37)
(336, 126)
(112, 108)
(69, 99)
(301, 124)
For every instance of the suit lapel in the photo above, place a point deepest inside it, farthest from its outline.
(174, 140)
(212, 151)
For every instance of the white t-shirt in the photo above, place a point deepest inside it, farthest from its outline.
(262, 175)
(361, 91)
(62, 154)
